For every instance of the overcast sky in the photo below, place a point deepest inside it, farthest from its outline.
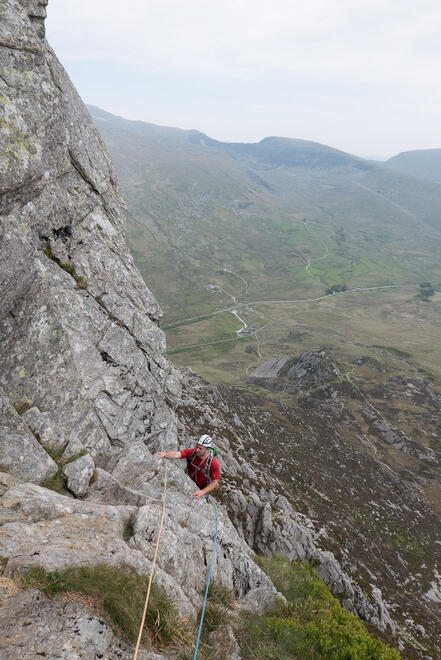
(358, 75)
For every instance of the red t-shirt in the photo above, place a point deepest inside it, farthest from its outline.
(197, 467)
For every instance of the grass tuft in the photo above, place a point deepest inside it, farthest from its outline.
(219, 595)
(128, 530)
(118, 593)
(69, 268)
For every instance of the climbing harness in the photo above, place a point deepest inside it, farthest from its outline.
(153, 565)
(205, 469)
(208, 582)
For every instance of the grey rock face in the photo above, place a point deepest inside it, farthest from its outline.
(310, 368)
(42, 425)
(189, 529)
(34, 504)
(109, 490)
(188, 535)
(79, 328)
(53, 531)
(273, 527)
(270, 368)
(78, 474)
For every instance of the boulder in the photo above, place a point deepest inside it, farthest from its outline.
(78, 474)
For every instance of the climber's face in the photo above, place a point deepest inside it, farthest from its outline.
(201, 452)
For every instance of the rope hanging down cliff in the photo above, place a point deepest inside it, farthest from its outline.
(208, 583)
(153, 565)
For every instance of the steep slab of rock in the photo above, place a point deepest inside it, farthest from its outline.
(43, 528)
(189, 529)
(79, 328)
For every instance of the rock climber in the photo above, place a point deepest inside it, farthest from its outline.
(202, 464)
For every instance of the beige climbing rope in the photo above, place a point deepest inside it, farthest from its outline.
(153, 564)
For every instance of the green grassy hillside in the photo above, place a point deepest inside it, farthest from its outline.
(216, 225)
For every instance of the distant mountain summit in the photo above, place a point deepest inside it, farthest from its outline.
(422, 163)
(289, 152)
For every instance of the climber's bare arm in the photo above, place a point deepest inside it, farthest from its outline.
(168, 454)
(200, 493)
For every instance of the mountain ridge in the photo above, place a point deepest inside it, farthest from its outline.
(265, 147)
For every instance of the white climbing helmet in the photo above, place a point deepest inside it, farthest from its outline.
(205, 441)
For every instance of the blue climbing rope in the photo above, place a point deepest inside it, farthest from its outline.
(208, 582)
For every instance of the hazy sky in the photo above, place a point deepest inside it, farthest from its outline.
(359, 75)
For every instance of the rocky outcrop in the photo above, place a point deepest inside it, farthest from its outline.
(387, 432)
(271, 526)
(296, 374)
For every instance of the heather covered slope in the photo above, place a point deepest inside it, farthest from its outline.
(360, 461)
